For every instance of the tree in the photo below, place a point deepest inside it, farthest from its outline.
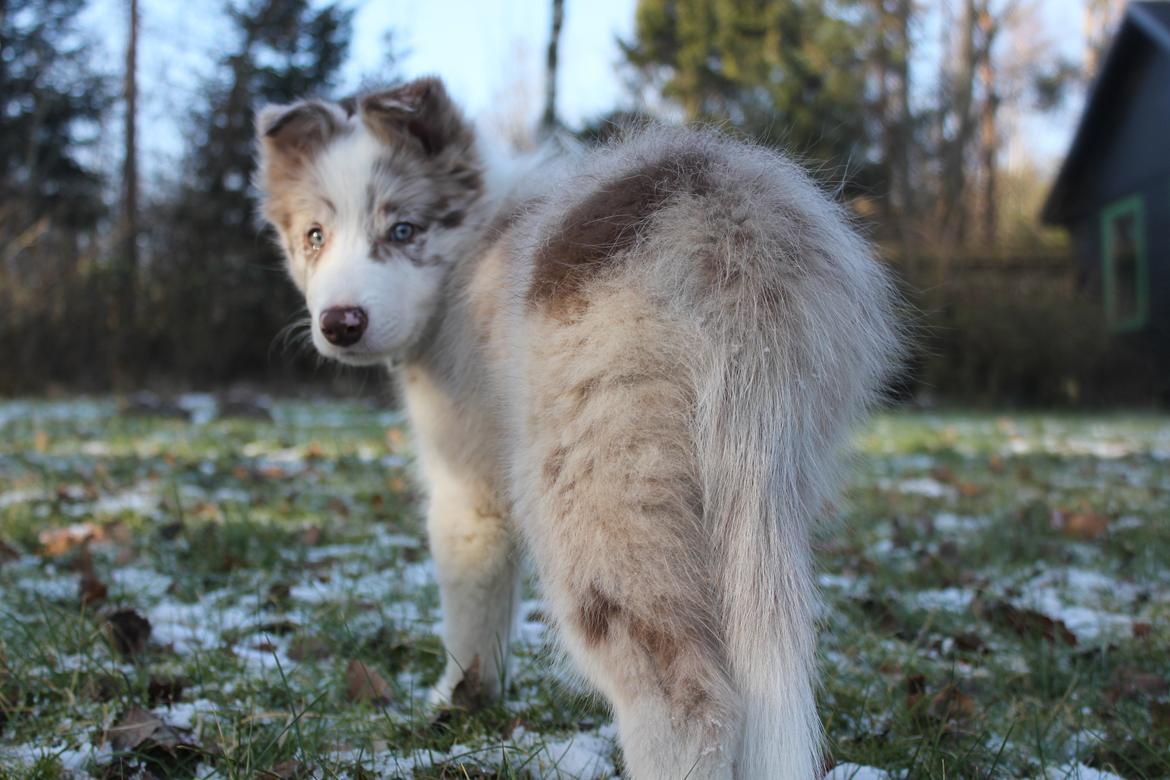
(789, 72)
(224, 282)
(549, 121)
(51, 102)
(128, 232)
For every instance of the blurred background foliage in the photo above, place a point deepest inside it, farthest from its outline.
(101, 289)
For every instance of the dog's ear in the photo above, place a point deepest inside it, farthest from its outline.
(419, 109)
(298, 131)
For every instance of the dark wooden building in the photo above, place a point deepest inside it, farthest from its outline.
(1113, 190)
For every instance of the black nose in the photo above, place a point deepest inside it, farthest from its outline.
(343, 325)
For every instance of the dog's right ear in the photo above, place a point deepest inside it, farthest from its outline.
(298, 131)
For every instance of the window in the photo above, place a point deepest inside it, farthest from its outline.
(1123, 245)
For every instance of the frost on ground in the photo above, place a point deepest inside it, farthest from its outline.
(209, 597)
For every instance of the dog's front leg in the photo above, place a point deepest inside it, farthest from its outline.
(476, 561)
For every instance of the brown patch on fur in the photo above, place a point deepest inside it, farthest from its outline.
(553, 465)
(605, 225)
(597, 612)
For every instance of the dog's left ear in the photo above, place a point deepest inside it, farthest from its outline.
(420, 110)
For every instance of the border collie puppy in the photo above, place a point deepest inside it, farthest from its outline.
(636, 365)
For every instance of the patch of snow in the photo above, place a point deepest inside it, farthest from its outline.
(1078, 771)
(944, 599)
(924, 486)
(14, 497)
(185, 715)
(583, 756)
(72, 759)
(949, 523)
(141, 581)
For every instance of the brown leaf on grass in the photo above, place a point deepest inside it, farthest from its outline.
(311, 535)
(951, 705)
(165, 690)
(303, 648)
(58, 541)
(915, 689)
(1080, 525)
(942, 474)
(969, 489)
(468, 693)
(285, 770)
(1128, 682)
(90, 590)
(140, 729)
(1027, 623)
(363, 683)
(1141, 629)
(8, 553)
(129, 632)
(970, 642)
(166, 749)
(880, 611)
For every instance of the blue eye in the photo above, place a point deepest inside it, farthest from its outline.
(402, 231)
(316, 238)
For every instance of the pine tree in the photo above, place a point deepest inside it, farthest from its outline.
(789, 72)
(227, 293)
(50, 99)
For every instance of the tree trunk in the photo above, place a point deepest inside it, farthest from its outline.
(549, 121)
(988, 137)
(904, 140)
(129, 232)
(954, 205)
(126, 351)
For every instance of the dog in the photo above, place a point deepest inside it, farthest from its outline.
(636, 365)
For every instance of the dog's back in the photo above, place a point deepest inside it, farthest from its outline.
(694, 328)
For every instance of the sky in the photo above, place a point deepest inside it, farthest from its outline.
(490, 53)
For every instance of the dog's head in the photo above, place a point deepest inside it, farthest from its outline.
(370, 198)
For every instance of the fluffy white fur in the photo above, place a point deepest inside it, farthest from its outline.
(639, 366)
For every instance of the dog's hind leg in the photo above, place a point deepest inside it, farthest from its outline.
(611, 510)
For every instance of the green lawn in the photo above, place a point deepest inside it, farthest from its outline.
(256, 600)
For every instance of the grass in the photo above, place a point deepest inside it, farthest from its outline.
(997, 595)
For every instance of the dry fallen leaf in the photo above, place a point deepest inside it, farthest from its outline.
(363, 683)
(129, 632)
(58, 541)
(8, 553)
(134, 728)
(303, 648)
(1080, 525)
(1027, 623)
(168, 749)
(1128, 682)
(285, 770)
(91, 589)
(468, 693)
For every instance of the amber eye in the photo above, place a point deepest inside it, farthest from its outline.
(402, 231)
(315, 237)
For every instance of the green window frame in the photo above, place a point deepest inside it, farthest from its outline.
(1113, 217)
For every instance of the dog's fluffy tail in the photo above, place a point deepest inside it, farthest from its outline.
(797, 335)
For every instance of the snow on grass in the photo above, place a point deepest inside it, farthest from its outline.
(268, 556)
